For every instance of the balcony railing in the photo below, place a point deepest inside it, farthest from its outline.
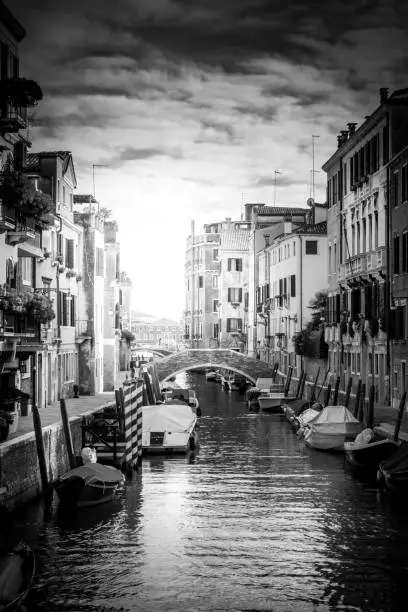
(16, 324)
(354, 266)
(13, 118)
(376, 259)
(7, 217)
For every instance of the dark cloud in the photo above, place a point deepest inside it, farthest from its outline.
(265, 113)
(281, 181)
(129, 154)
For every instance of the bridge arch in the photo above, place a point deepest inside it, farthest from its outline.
(212, 358)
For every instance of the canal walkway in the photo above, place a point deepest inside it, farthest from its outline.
(81, 406)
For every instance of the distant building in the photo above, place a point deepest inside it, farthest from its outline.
(162, 333)
(216, 265)
(262, 220)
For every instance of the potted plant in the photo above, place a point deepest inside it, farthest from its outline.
(22, 92)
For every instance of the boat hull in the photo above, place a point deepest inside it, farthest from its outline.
(190, 445)
(17, 569)
(369, 456)
(324, 441)
(80, 490)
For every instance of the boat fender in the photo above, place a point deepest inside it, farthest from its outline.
(88, 455)
(198, 411)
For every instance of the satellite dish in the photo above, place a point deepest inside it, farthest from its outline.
(310, 202)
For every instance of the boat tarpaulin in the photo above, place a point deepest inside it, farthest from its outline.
(168, 417)
(336, 419)
(96, 472)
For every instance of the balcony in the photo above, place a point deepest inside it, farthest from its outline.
(19, 324)
(376, 260)
(83, 329)
(7, 218)
(355, 266)
(13, 118)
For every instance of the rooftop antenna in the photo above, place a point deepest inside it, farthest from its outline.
(93, 178)
(313, 165)
(276, 172)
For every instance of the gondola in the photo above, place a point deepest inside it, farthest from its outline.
(368, 450)
(17, 569)
(393, 473)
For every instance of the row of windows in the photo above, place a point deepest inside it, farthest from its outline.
(364, 162)
(283, 287)
(400, 186)
(400, 253)
(362, 238)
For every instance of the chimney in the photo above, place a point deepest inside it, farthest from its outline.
(383, 94)
(339, 140)
(344, 134)
(351, 128)
(266, 237)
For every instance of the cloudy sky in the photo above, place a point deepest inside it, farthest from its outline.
(189, 106)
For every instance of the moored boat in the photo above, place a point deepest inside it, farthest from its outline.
(211, 375)
(393, 473)
(169, 428)
(17, 569)
(368, 450)
(334, 426)
(306, 418)
(89, 485)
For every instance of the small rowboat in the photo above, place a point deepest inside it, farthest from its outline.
(17, 569)
(89, 485)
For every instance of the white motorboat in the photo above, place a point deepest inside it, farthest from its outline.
(186, 395)
(169, 428)
(211, 375)
(334, 426)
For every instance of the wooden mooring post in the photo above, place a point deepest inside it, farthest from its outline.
(327, 395)
(67, 434)
(322, 385)
(288, 379)
(370, 411)
(348, 392)
(40, 447)
(401, 409)
(299, 385)
(361, 409)
(336, 391)
(357, 399)
(313, 392)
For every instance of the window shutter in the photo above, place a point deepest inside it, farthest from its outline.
(73, 311)
(293, 285)
(59, 308)
(337, 308)
(229, 294)
(69, 253)
(240, 295)
(60, 244)
(228, 325)
(64, 309)
(239, 326)
(229, 265)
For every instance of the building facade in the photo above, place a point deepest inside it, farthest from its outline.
(112, 319)
(358, 317)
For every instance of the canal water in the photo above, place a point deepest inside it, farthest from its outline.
(254, 521)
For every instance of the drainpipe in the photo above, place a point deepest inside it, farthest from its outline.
(301, 291)
(192, 283)
(387, 305)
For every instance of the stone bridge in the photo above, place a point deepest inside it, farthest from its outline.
(155, 350)
(212, 358)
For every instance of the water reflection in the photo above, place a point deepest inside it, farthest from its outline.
(252, 521)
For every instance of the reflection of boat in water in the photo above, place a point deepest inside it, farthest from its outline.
(169, 428)
(334, 426)
(89, 485)
(17, 569)
(211, 375)
(368, 450)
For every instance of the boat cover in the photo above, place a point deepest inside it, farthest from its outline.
(308, 416)
(336, 420)
(92, 472)
(168, 417)
(264, 383)
(398, 462)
